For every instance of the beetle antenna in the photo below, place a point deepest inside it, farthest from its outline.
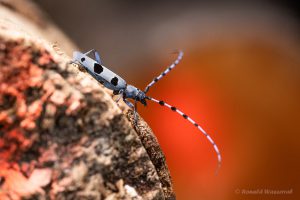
(162, 103)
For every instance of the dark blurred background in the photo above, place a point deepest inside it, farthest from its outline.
(239, 79)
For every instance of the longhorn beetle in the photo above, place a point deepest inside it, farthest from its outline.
(119, 86)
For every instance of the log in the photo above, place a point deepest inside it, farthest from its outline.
(61, 134)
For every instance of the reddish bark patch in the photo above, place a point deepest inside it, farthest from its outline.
(22, 97)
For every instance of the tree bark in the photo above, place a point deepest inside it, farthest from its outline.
(61, 134)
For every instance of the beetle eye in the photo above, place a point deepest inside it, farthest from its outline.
(144, 102)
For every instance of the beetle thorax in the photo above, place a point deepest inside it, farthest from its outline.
(135, 93)
(131, 92)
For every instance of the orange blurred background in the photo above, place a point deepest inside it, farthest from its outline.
(239, 79)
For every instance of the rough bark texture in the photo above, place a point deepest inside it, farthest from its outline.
(61, 134)
(155, 153)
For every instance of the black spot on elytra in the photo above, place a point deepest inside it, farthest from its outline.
(161, 103)
(156, 79)
(196, 125)
(173, 108)
(98, 68)
(184, 116)
(82, 59)
(114, 81)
